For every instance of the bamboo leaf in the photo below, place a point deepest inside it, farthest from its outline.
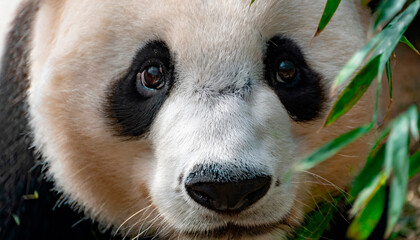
(413, 116)
(382, 43)
(408, 43)
(356, 60)
(391, 159)
(366, 221)
(374, 163)
(414, 164)
(16, 218)
(317, 221)
(333, 147)
(386, 11)
(394, 33)
(390, 37)
(372, 167)
(389, 76)
(354, 91)
(368, 192)
(396, 159)
(329, 10)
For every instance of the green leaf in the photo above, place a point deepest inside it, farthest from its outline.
(386, 11)
(354, 91)
(413, 116)
(414, 164)
(383, 43)
(365, 222)
(386, 44)
(378, 94)
(373, 166)
(389, 76)
(394, 32)
(329, 10)
(356, 60)
(316, 222)
(333, 147)
(392, 157)
(396, 160)
(369, 191)
(16, 218)
(374, 163)
(408, 43)
(252, 1)
(384, 133)
(33, 196)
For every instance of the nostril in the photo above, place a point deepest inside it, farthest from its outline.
(207, 194)
(258, 193)
(228, 196)
(199, 195)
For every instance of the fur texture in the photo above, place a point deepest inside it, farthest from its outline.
(220, 110)
(20, 168)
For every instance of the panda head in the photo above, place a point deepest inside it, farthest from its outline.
(184, 118)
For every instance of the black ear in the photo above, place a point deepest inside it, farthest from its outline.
(373, 4)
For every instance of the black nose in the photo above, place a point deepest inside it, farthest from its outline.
(232, 196)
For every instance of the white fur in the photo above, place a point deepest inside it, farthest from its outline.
(80, 48)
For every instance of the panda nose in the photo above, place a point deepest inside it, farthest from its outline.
(228, 197)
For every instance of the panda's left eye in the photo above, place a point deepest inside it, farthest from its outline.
(286, 72)
(151, 77)
(296, 84)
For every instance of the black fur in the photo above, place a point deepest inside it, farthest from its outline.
(304, 99)
(21, 173)
(132, 108)
(373, 5)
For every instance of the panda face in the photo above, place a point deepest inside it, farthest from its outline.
(184, 119)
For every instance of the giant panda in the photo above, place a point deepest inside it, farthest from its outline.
(172, 119)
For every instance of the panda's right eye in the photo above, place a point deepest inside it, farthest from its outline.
(151, 77)
(137, 97)
(287, 72)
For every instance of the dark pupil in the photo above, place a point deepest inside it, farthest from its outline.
(152, 77)
(287, 71)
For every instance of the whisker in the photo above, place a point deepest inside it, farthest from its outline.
(326, 180)
(141, 220)
(161, 229)
(147, 229)
(314, 182)
(129, 218)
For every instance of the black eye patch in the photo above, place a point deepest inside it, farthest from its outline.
(295, 83)
(132, 103)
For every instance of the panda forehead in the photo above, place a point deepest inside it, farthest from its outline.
(190, 28)
(230, 33)
(184, 24)
(216, 21)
